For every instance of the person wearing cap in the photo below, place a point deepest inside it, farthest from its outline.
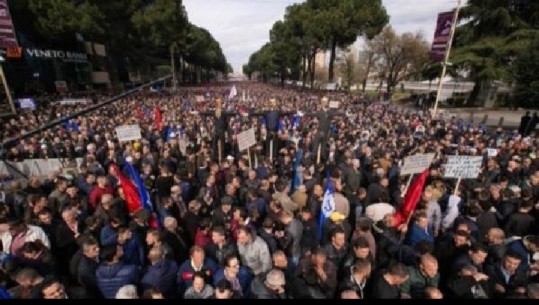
(269, 286)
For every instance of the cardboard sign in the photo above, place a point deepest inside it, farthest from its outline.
(492, 152)
(466, 167)
(416, 164)
(128, 133)
(246, 139)
(334, 104)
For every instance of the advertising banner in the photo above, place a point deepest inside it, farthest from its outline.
(8, 38)
(442, 35)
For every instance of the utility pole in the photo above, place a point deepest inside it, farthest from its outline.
(446, 59)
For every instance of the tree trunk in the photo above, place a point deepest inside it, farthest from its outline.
(367, 71)
(304, 68)
(475, 93)
(313, 70)
(332, 61)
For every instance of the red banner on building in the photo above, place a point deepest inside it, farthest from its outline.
(442, 35)
(8, 38)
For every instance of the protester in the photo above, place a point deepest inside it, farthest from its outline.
(315, 208)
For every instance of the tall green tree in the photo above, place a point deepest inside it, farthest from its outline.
(345, 20)
(526, 74)
(309, 35)
(491, 36)
(285, 50)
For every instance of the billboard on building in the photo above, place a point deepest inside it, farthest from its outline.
(442, 35)
(8, 38)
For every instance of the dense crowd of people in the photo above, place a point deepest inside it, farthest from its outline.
(217, 222)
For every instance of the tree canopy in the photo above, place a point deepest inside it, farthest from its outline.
(492, 35)
(317, 25)
(140, 32)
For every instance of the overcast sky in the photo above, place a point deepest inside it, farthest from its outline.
(242, 26)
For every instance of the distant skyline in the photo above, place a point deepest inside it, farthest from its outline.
(242, 26)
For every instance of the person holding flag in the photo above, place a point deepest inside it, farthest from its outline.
(411, 199)
(328, 206)
(136, 196)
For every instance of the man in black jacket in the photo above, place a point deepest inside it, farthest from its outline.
(220, 247)
(386, 284)
(509, 281)
(87, 267)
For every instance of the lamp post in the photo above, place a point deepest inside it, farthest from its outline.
(6, 87)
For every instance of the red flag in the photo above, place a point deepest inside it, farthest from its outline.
(158, 118)
(140, 114)
(411, 199)
(130, 190)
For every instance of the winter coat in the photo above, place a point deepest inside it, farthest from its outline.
(162, 276)
(110, 278)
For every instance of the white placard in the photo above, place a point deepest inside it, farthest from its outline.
(27, 103)
(466, 167)
(74, 101)
(128, 133)
(246, 139)
(492, 152)
(200, 99)
(334, 104)
(416, 164)
(182, 144)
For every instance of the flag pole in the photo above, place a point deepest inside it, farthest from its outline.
(249, 156)
(457, 186)
(318, 154)
(407, 185)
(271, 150)
(446, 59)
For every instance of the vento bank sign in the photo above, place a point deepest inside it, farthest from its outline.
(66, 56)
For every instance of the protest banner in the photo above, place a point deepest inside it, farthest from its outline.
(416, 164)
(128, 133)
(464, 167)
(246, 139)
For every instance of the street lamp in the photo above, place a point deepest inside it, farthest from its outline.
(6, 88)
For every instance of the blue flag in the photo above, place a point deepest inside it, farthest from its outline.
(295, 121)
(328, 206)
(296, 181)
